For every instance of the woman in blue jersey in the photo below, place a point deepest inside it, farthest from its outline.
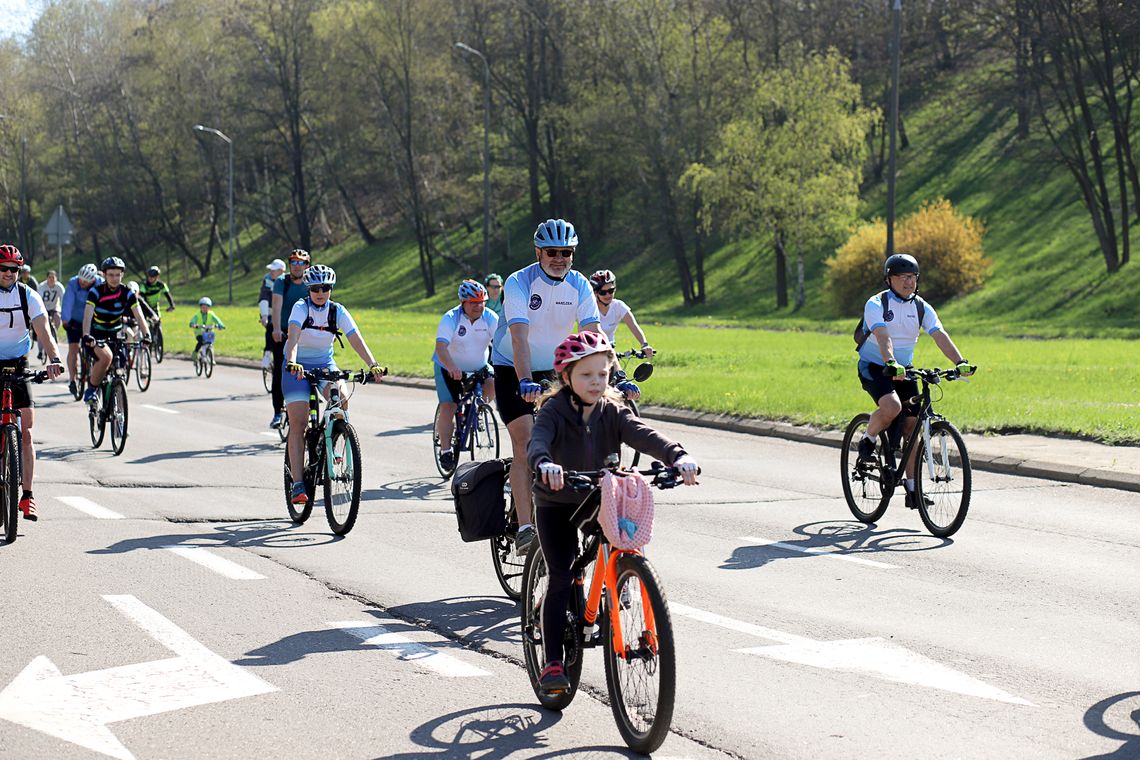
(314, 323)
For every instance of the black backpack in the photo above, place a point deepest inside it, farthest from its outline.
(330, 327)
(862, 333)
(480, 504)
(23, 308)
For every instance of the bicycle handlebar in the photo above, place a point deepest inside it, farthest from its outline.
(361, 376)
(932, 376)
(662, 477)
(36, 376)
(635, 353)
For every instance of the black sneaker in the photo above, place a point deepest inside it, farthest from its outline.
(447, 460)
(524, 539)
(71, 388)
(553, 679)
(867, 450)
(912, 502)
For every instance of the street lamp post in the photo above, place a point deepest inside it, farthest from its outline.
(486, 154)
(896, 34)
(230, 143)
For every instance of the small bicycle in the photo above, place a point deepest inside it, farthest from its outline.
(476, 427)
(942, 474)
(204, 356)
(110, 403)
(331, 452)
(630, 457)
(627, 602)
(11, 448)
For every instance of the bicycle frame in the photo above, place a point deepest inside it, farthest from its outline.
(605, 579)
(468, 409)
(926, 415)
(332, 412)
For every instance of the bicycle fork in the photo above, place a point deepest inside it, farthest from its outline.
(331, 416)
(944, 455)
(605, 569)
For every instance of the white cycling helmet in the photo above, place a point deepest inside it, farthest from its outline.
(319, 274)
(133, 286)
(88, 272)
(205, 301)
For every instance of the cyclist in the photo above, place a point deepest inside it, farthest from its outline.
(287, 291)
(614, 310)
(461, 344)
(314, 323)
(276, 268)
(579, 422)
(26, 315)
(895, 317)
(541, 305)
(203, 321)
(52, 292)
(103, 320)
(27, 279)
(153, 289)
(74, 303)
(494, 285)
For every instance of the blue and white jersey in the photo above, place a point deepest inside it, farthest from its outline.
(75, 299)
(902, 325)
(467, 341)
(551, 308)
(315, 346)
(15, 333)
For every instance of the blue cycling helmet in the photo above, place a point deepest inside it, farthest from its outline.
(470, 290)
(205, 301)
(555, 233)
(319, 274)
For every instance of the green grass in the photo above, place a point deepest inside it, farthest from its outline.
(1066, 386)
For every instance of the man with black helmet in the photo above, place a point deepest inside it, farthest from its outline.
(894, 318)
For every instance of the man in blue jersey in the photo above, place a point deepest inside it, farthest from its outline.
(542, 303)
(22, 312)
(74, 302)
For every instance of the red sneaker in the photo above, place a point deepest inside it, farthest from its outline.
(28, 507)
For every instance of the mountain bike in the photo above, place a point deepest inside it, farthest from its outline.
(626, 602)
(11, 448)
(332, 454)
(204, 356)
(630, 457)
(942, 476)
(476, 427)
(109, 407)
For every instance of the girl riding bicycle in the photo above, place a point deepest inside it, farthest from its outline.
(580, 421)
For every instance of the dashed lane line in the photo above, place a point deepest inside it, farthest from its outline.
(219, 565)
(89, 507)
(406, 649)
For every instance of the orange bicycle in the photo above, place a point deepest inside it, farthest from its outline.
(624, 611)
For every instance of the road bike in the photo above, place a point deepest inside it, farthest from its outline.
(630, 457)
(476, 427)
(331, 454)
(624, 611)
(942, 476)
(11, 448)
(109, 407)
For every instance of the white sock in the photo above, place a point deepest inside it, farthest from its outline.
(524, 526)
(867, 437)
(910, 484)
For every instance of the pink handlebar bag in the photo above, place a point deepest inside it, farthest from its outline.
(626, 514)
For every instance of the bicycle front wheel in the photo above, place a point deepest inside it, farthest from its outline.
(157, 346)
(84, 374)
(342, 481)
(96, 419)
(486, 435)
(641, 675)
(208, 361)
(508, 565)
(866, 485)
(117, 415)
(10, 488)
(267, 378)
(198, 362)
(298, 513)
(631, 456)
(534, 586)
(943, 496)
(143, 369)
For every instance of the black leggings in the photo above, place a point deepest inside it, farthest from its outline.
(278, 350)
(559, 541)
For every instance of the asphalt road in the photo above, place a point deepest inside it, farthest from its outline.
(165, 607)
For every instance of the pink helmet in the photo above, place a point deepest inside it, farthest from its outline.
(579, 346)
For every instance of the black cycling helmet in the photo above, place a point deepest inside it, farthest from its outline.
(153, 272)
(900, 263)
(113, 262)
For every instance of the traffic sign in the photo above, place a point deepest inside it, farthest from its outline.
(59, 229)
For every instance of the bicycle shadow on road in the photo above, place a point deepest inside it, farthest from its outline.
(489, 732)
(1097, 720)
(212, 399)
(841, 537)
(477, 619)
(406, 430)
(418, 489)
(275, 534)
(229, 450)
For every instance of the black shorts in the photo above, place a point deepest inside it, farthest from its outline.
(507, 399)
(21, 393)
(74, 331)
(878, 386)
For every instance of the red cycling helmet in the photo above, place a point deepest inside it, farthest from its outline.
(601, 278)
(579, 346)
(10, 254)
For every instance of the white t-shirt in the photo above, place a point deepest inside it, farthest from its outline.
(902, 325)
(612, 318)
(467, 341)
(52, 295)
(315, 346)
(15, 333)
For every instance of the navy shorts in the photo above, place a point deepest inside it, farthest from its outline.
(507, 399)
(74, 331)
(877, 386)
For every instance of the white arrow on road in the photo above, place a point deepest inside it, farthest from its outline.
(871, 656)
(77, 708)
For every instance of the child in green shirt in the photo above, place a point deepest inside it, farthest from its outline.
(205, 322)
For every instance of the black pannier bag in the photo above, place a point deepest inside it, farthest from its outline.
(480, 505)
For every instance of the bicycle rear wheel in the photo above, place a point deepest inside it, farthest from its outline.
(534, 589)
(867, 486)
(117, 415)
(208, 361)
(508, 565)
(157, 346)
(342, 484)
(267, 378)
(642, 676)
(485, 443)
(198, 362)
(298, 513)
(96, 419)
(84, 373)
(10, 487)
(630, 456)
(142, 369)
(949, 488)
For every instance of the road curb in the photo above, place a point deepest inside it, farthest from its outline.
(1029, 468)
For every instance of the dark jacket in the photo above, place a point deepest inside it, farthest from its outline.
(559, 436)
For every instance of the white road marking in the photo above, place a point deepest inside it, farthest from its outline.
(161, 409)
(84, 504)
(870, 656)
(219, 565)
(818, 552)
(428, 657)
(270, 433)
(77, 708)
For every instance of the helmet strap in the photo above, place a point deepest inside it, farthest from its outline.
(895, 293)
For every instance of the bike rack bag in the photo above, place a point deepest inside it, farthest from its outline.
(480, 505)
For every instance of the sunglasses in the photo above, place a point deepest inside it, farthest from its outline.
(298, 261)
(9, 269)
(553, 253)
(320, 288)
(494, 287)
(606, 291)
